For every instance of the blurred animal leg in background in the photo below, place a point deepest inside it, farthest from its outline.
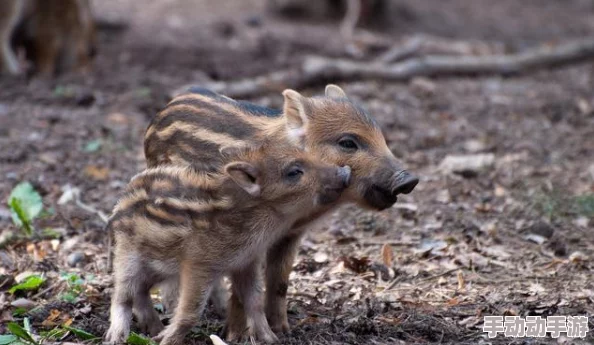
(10, 14)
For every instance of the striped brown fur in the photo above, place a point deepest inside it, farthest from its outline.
(177, 222)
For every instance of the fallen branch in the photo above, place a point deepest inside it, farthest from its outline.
(401, 52)
(541, 57)
(316, 69)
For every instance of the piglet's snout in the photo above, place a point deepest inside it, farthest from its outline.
(336, 182)
(344, 174)
(338, 179)
(404, 183)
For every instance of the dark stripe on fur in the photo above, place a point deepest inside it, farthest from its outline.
(201, 156)
(244, 106)
(208, 116)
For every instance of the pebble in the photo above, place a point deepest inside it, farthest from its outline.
(6, 260)
(542, 229)
(4, 213)
(321, 257)
(578, 257)
(23, 303)
(75, 258)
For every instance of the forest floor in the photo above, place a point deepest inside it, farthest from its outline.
(514, 238)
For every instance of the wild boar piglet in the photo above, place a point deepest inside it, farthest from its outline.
(194, 126)
(176, 221)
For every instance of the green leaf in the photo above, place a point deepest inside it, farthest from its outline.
(93, 145)
(20, 332)
(585, 205)
(27, 325)
(8, 339)
(31, 283)
(50, 233)
(69, 297)
(19, 217)
(25, 203)
(64, 91)
(72, 279)
(81, 334)
(48, 212)
(137, 339)
(143, 92)
(18, 312)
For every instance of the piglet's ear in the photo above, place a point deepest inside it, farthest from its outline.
(294, 111)
(245, 175)
(335, 92)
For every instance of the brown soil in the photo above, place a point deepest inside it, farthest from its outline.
(460, 247)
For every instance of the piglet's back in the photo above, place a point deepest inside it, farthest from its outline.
(194, 127)
(162, 206)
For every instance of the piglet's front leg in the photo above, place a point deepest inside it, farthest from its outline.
(278, 268)
(195, 285)
(247, 298)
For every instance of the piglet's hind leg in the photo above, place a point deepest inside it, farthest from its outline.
(148, 319)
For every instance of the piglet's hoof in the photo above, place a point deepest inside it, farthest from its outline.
(169, 337)
(265, 335)
(281, 327)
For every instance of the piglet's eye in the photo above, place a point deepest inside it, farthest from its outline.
(294, 173)
(348, 144)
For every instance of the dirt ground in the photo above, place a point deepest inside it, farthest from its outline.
(516, 238)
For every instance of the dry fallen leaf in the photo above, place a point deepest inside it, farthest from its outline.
(36, 251)
(357, 265)
(453, 302)
(50, 321)
(387, 255)
(578, 258)
(96, 173)
(310, 320)
(117, 119)
(461, 282)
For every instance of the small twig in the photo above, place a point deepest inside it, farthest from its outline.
(425, 45)
(91, 209)
(304, 294)
(439, 275)
(401, 52)
(397, 281)
(394, 283)
(392, 243)
(42, 292)
(510, 280)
